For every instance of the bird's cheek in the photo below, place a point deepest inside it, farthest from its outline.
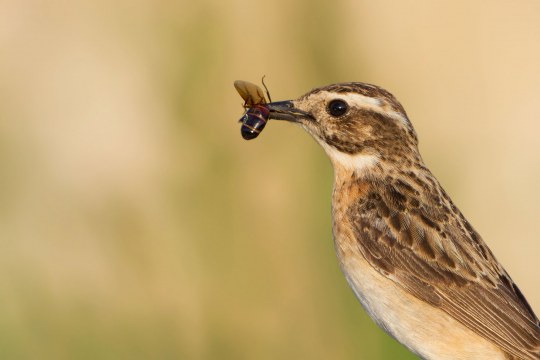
(311, 128)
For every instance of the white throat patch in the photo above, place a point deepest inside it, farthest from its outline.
(357, 163)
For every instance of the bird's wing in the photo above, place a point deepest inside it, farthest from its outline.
(428, 248)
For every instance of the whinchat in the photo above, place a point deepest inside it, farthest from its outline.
(417, 266)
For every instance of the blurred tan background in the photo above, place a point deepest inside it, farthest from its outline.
(136, 223)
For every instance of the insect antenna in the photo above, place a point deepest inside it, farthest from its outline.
(265, 88)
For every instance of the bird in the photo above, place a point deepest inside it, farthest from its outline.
(416, 265)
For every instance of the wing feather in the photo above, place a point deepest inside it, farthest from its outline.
(427, 247)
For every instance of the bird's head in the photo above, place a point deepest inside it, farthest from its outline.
(357, 124)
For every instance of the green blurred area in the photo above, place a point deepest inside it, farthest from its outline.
(135, 223)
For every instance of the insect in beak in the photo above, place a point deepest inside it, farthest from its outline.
(257, 113)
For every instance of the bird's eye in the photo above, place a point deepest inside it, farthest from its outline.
(337, 107)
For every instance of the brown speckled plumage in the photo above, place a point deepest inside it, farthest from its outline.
(395, 223)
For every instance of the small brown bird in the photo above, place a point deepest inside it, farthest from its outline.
(415, 263)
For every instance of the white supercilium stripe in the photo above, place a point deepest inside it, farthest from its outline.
(373, 104)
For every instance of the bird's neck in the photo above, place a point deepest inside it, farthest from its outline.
(361, 170)
(370, 164)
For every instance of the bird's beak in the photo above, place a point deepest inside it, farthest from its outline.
(285, 110)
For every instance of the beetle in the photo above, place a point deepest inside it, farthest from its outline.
(257, 113)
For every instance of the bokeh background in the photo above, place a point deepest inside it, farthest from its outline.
(136, 223)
